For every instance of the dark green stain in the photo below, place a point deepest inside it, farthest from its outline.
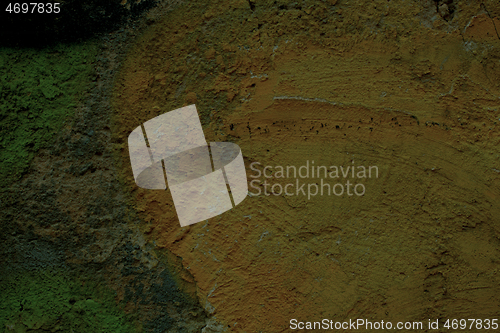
(53, 301)
(39, 89)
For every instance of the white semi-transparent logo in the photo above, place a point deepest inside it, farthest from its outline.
(205, 180)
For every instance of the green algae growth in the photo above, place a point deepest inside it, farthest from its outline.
(39, 89)
(53, 301)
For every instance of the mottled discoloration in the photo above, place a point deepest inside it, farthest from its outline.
(400, 86)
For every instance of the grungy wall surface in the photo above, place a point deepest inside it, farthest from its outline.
(409, 88)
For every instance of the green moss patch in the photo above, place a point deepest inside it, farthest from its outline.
(39, 89)
(53, 301)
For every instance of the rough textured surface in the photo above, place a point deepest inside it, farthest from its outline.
(72, 259)
(31, 302)
(409, 86)
(40, 89)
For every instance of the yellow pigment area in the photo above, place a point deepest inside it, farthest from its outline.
(354, 84)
